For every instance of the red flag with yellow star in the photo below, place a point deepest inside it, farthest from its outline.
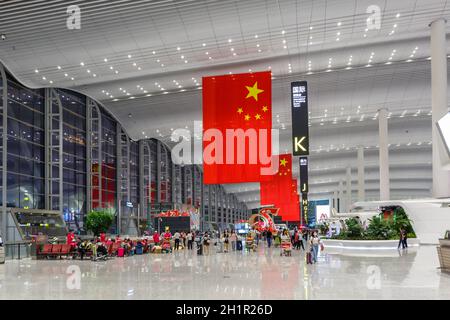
(277, 190)
(237, 123)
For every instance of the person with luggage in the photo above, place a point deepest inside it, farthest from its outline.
(315, 243)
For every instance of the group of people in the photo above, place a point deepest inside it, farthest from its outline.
(180, 239)
(98, 246)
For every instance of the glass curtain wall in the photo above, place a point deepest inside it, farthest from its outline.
(26, 143)
(85, 177)
(74, 158)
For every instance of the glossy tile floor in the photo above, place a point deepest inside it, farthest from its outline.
(259, 275)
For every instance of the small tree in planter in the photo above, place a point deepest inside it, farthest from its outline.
(99, 221)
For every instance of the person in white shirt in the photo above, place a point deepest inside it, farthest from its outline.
(1, 241)
(176, 237)
(190, 240)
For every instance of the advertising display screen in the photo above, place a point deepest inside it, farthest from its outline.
(444, 129)
(300, 128)
(322, 212)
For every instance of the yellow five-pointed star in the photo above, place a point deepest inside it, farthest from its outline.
(283, 162)
(258, 116)
(265, 109)
(253, 91)
(240, 110)
(247, 117)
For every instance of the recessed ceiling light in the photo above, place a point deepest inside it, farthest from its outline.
(106, 60)
(51, 81)
(129, 56)
(229, 40)
(111, 67)
(178, 48)
(44, 78)
(88, 71)
(204, 44)
(339, 23)
(82, 64)
(36, 70)
(139, 68)
(59, 67)
(72, 78)
(397, 15)
(66, 75)
(154, 52)
(310, 28)
(283, 32)
(94, 75)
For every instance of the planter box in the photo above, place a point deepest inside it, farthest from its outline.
(2, 255)
(367, 244)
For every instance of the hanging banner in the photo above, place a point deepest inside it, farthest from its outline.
(303, 174)
(237, 127)
(300, 128)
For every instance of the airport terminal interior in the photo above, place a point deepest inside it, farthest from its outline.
(240, 149)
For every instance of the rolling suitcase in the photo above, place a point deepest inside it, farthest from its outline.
(120, 252)
(309, 257)
(239, 245)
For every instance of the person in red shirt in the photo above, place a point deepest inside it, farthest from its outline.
(103, 237)
(156, 238)
(71, 239)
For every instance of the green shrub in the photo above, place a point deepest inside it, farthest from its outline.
(99, 221)
(354, 229)
(379, 229)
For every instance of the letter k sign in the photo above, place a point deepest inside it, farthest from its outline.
(298, 144)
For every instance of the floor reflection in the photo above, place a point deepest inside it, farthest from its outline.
(241, 275)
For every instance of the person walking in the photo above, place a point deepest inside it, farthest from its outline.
(315, 243)
(402, 241)
(177, 237)
(233, 239)
(206, 242)
(190, 240)
(183, 238)
(269, 238)
(226, 241)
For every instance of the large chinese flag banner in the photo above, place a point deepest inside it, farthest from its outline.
(242, 104)
(280, 190)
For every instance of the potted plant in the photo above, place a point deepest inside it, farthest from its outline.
(99, 221)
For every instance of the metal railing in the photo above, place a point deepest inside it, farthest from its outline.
(17, 250)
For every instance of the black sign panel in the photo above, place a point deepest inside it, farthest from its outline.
(300, 128)
(303, 175)
(304, 207)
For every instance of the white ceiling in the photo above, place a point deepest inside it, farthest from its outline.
(148, 58)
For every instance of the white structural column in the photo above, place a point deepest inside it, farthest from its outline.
(361, 179)
(341, 196)
(384, 154)
(348, 185)
(335, 197)
(441, 177)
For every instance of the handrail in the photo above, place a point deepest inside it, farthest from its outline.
(14, 249)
